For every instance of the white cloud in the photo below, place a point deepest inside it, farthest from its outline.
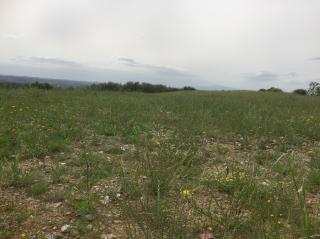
(12, 36)
(166, 70)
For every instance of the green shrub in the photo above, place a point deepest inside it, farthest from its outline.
(274, 89)
(300, 92)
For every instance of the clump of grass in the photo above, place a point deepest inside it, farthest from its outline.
(57, 173)
(115, 150)
(38, 189)
(313, 180)
(228, 182)
(13, 175)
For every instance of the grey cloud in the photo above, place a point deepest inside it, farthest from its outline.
(292, 74)
(165, 70)
(268, 76)
(48, 61)
(265, 76)
(315, 59)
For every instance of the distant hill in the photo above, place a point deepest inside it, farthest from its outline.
(54, 82)
(74, 83)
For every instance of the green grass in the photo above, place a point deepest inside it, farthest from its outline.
(250, 161)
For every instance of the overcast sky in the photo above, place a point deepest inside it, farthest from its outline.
(242, 44)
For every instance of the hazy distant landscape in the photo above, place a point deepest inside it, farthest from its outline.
(30, 80)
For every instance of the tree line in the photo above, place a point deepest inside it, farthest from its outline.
(109, 86)
(136, 87)
(14, 85)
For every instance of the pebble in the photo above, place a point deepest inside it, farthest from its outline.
(65, 228)
(206, 235)
(55, 205)
(107, 236)
(89, 217)
(89, 227)
(54, 236)
(105, 200)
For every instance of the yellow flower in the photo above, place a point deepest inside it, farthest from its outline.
(185, 192)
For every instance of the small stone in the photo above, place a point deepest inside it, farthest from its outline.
(206, 235)
(65, 228)
(105, 200)
(107, 236)
(118, 195)
(56, 205)
(57, 235)
(89, 217)
(89, 227)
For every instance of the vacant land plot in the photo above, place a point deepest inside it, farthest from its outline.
(85, 164)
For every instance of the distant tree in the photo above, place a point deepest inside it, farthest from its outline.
(300, 92)
(314, 89)
(274, 89)
(43, 86)
(188, 88)
(132, 87)
(11, 85)
(262, 90)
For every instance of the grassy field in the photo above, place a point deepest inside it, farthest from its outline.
(171, 165)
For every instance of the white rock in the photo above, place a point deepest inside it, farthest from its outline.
(105, 200)
(65, 228)
(58, 204)
(89, 227)
(107, 236)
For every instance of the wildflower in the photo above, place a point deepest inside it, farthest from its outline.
(279, 222)
(185, 192)
(269, 201)
(242, 175)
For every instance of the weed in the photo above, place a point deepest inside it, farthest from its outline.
(38, 189)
